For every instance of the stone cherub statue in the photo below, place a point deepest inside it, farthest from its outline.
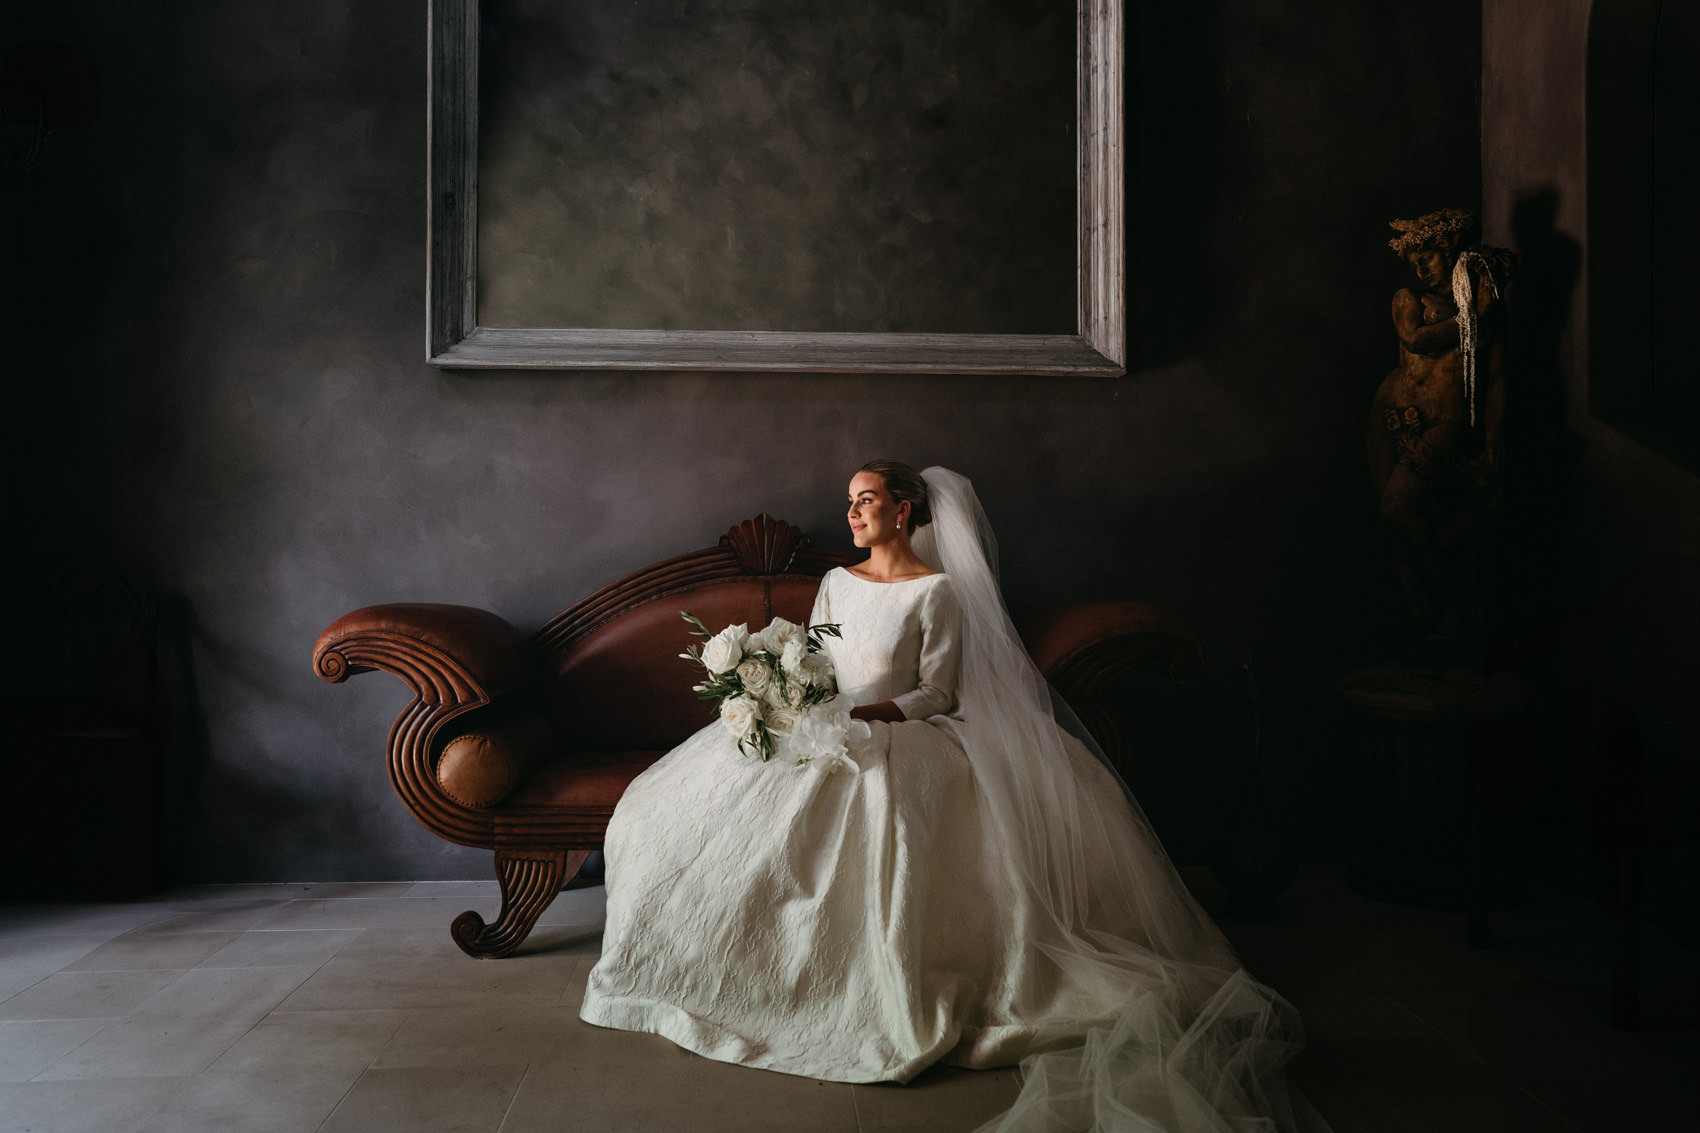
(1436, 431)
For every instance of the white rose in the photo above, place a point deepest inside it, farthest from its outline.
(795, 691)
(722, 652)
(740, 715)
(780, 721)
(756, 676)
(793, 659)
(781, 697)
(780, 633)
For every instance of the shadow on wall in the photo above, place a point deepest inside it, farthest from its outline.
(188, 749)
(1545, 451)
(225, 810)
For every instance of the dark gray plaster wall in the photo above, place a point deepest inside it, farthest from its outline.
(214, 332)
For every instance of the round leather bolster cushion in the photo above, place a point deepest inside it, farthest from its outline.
(481, 768)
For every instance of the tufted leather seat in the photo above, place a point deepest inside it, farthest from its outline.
(589, 779)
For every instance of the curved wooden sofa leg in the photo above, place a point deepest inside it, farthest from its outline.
(530, 879)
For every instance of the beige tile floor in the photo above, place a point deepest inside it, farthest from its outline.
(345, 1007)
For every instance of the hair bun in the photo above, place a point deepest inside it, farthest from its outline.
(905, 485)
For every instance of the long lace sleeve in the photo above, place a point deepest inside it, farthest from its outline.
(822, 611)
(941, 655)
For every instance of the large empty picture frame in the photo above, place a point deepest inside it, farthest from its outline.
(456, 340)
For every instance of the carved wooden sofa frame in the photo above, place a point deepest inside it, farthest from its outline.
(604, 675)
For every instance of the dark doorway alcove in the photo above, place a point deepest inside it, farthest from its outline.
(1643, 112)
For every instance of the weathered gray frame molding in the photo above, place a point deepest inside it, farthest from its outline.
(455, 341)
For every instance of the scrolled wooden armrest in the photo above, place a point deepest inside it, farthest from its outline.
(1083, 646)
(449, 655)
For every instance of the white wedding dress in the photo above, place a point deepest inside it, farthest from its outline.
(935, 903)
(829, 924)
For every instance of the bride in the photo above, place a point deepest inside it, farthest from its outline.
(977, 888)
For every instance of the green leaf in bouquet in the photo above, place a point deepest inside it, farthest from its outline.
(760, 746)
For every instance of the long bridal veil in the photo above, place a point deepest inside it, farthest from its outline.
(1148, 1021)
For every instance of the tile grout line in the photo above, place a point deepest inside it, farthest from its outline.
(358, 1078)
(193, 1074)
(27, 986)
(1466, 1049)
(561, 1000)
(228, 1047)
(508, 1110)
(400, 1027)
(1566, 1122)
(181, 972)
(110, 1020)
(370, 1064)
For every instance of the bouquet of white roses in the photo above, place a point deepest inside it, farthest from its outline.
(774, 691)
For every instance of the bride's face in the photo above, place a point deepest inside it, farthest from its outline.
(875, 517)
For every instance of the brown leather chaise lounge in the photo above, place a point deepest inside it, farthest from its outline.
(523, 745)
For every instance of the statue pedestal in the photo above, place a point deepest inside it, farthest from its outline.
(1429, 748)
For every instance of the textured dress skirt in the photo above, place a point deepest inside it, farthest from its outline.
(859, 924)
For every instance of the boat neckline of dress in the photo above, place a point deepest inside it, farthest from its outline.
(892, 582)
